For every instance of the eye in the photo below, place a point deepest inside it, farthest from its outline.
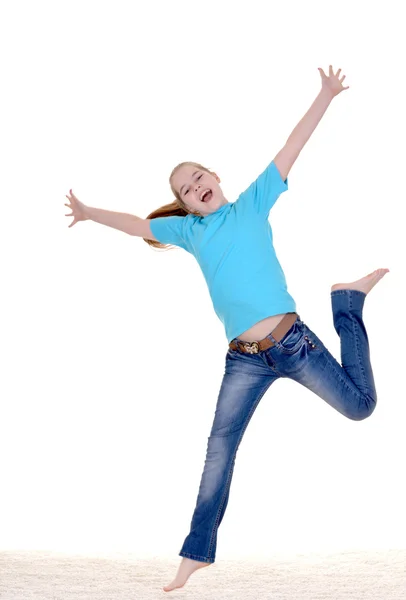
(196, 180)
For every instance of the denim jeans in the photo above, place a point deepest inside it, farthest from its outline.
(300, 355)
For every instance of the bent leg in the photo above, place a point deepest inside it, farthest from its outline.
(347, 307)
(350, 387)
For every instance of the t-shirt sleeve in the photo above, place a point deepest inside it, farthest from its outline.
(169, 230)
(264, 191)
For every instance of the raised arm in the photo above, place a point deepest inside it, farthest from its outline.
(331, 86)
(125, 222)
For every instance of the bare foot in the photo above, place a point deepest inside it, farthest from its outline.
(362, 285)
(186, 568)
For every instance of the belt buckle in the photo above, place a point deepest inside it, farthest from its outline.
(251, 348)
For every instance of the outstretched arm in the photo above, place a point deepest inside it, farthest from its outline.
(331, 86)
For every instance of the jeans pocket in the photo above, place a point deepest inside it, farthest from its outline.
(293, 339)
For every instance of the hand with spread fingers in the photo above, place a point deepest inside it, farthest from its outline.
(78, 209)
(331, 82)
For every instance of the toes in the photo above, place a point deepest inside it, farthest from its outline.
(174, 585)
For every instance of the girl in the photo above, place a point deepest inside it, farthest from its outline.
(267, 339)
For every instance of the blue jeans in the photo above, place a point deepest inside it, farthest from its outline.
(300, 355)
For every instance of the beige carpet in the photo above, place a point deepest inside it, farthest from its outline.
(349, 576)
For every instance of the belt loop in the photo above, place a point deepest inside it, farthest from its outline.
(272, 338)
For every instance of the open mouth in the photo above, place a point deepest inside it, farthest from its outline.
(207, 196)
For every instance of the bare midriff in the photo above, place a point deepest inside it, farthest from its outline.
(261, 329)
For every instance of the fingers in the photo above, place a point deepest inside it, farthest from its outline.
(71, 195)
(71, 199)
(71, 207)
(332, 76)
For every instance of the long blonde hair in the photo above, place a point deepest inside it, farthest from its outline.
(177, 208)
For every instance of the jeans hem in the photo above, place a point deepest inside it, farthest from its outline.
(195, 557)
(346, 292)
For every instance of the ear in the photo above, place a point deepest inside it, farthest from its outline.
(217, 178)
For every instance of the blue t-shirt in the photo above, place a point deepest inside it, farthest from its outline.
(234, 249)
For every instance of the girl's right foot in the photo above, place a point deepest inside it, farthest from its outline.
(186, 568)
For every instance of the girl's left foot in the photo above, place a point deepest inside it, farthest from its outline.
(362, 285)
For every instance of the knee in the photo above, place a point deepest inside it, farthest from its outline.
(365, 410)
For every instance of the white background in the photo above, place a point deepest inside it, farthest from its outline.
(112, 355)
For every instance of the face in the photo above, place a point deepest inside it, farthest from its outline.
(190, 182)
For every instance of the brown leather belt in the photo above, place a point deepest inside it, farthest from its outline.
(278, 333)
